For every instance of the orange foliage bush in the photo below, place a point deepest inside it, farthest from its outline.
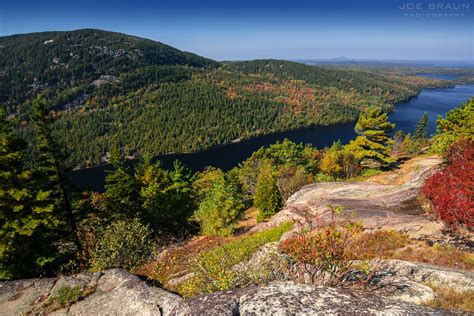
(327, 251)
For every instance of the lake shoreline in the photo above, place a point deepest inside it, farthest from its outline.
(226, 156)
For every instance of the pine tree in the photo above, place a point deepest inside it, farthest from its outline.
(167, 196)
(122, 192)
(421, 128)
(267, 196)
(219, 211)
(373, 143)
(51, 164)
(28, 211)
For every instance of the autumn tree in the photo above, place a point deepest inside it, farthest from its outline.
(204, 181)
(285, 153)
(397, 141)
(291, 179)
(373, 143)
(331, 162)
(339, 161)
(267, 197)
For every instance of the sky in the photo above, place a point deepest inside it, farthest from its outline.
(294, 29)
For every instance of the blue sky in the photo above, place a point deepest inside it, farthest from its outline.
(292, 29)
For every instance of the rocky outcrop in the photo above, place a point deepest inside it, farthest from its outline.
(288, 298)
(112, 292)
(458, 280)
(388, 200)
(397, 287)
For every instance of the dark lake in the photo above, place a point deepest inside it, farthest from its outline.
(406, 115)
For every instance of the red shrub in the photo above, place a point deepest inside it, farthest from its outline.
(451, 191)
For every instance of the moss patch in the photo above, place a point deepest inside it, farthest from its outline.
(213, 269)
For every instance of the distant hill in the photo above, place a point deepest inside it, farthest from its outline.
(35, 61)
(362, 81)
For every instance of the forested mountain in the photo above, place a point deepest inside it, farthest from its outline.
(61, 60)
(108, 88)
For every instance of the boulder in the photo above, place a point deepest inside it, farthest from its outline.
(458, 280)
(112, 292)
(406, 290)
(398, 291)
(19, 297)
(389, 200)
(288, 298)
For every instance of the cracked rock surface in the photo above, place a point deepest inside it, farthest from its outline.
(288, 298)
(118, 292)
(387, 200)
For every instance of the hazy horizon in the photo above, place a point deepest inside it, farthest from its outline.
(302, 30)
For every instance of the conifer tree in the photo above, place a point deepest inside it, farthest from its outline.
(421, 128)
(219, 211)
(28, 211)
(267, 196)
(167, 196)
(373, 143)
(122, 192)
(51, 164)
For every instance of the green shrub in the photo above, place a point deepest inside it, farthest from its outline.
(125, 244)
(213, 270)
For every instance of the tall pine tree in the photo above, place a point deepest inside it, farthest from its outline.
(51, 164)
(373, 143)
(29, 216)
(122, 192)
(421, 128)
